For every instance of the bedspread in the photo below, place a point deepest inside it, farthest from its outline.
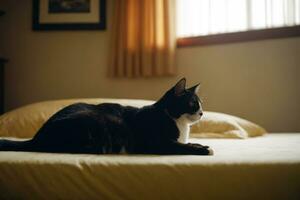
(265, 167)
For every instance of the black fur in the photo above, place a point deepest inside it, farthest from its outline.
(107, 127)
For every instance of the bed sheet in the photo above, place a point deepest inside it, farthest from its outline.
(266, 167)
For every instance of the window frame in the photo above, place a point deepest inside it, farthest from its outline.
(233, 37)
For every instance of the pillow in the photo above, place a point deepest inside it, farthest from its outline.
(25, 121)
(219, 125)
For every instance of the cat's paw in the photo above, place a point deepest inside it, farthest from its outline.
(198, 145)
(210, 151)
(207, 151)
(202, 150)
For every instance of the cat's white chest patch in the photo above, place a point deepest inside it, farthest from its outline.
(184, 129)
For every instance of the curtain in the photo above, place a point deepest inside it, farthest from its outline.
(143, 39)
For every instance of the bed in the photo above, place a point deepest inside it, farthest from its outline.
(264, 167)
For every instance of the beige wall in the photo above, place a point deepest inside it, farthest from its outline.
(256, 80)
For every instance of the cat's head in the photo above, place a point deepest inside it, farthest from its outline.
(184, 103)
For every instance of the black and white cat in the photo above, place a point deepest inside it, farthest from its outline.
(161, 128)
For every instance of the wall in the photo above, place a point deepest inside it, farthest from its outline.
(256, 80)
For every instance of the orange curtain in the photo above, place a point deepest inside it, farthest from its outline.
(143, 39)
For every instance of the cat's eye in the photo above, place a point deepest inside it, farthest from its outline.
(193, 104)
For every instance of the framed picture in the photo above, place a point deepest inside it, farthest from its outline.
(69, 15)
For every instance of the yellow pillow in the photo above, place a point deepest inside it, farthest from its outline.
(220, 125)
(25, 121)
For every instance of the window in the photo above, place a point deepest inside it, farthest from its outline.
(237, 19)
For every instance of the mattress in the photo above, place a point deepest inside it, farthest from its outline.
(266, 167)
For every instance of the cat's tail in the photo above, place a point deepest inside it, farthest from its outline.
(10, 145)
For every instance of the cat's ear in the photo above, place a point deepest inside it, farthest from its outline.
(195, 88)
(180, 87)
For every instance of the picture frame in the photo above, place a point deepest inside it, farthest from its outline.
(69, 15)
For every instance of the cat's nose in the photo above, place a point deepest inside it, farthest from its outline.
(201, 113)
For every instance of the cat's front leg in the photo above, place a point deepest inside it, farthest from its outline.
(198, 145)
(187, 149)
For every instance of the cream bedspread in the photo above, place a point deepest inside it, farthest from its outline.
(266, 167)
